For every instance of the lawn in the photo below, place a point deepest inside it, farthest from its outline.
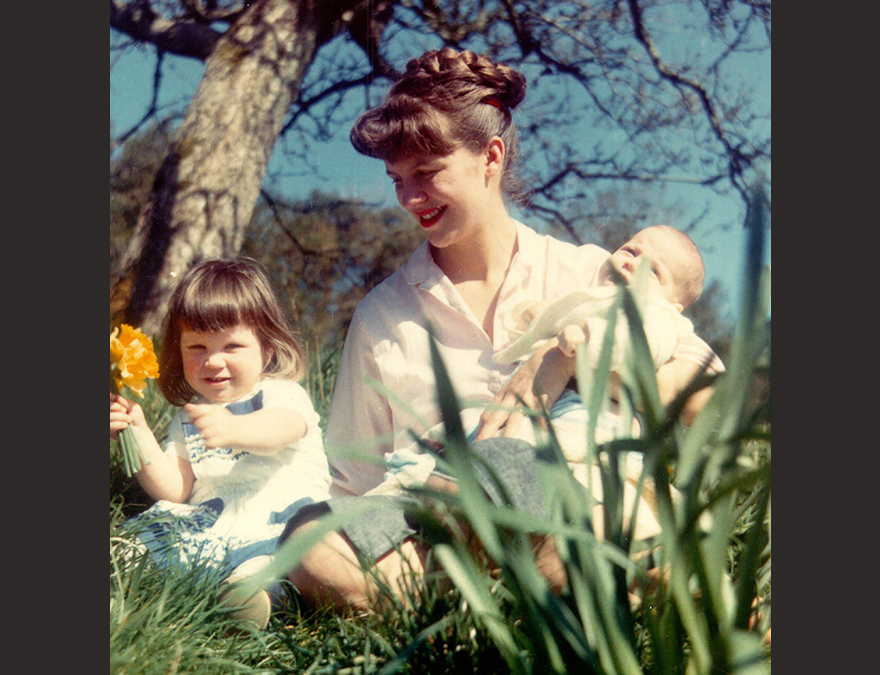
(705, 612)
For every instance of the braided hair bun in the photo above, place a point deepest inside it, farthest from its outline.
(448, 79)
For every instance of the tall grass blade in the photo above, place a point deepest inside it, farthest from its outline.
(471, 581)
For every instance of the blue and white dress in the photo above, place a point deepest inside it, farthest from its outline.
(240, 501)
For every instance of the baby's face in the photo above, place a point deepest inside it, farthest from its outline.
(666, 256)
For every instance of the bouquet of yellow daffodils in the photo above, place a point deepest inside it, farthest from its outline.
(132, 363)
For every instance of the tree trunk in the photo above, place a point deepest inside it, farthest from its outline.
(205, 191)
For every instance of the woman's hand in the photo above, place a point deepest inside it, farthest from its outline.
(124, 413)
(538, 381)
(673, 378)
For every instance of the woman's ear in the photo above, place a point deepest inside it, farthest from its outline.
(494, 155)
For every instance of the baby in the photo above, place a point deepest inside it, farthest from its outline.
(675, 280)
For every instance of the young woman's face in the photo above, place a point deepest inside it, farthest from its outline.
(221, 365)
(445, 194)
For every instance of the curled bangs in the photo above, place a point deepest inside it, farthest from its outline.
(403, 126)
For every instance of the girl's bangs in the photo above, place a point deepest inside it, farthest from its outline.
(217, 306)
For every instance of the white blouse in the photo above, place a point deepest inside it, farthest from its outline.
(385, 391)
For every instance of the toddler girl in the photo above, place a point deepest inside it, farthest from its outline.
(244, 451)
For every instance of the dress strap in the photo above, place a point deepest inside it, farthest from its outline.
(237, 408)
(250, 405)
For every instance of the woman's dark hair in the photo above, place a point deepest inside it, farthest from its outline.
(445, 100)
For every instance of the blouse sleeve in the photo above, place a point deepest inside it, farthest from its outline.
(694, 348)
(590, 259)
(359, 426)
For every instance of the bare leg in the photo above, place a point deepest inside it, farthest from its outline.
(331, 575)
(441, 484)
(546, 556)
(549, 564)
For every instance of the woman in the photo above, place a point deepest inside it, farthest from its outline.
(447, 139)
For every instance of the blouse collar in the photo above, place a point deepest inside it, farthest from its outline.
(421, 269)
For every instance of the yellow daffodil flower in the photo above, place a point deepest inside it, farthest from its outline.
(133, 358)
(132, 362)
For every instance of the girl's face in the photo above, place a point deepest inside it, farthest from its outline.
(221, 365)
(447, 195)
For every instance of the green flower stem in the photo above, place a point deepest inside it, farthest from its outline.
(130, 452)
(124, 455)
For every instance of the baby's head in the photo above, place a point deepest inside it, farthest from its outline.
(218, 295)
(677, 271)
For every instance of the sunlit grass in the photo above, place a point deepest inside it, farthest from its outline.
(691, 607)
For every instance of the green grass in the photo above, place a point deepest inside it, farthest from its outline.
(166, 622)
(694, 619)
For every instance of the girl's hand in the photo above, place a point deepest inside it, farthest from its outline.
(219, 427)
(124, 413)
(161, 476)
(539, 380)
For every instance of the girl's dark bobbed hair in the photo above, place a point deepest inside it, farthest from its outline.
(219, 294)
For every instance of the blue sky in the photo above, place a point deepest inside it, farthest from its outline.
(720, 234)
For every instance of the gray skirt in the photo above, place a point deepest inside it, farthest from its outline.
(384, 524)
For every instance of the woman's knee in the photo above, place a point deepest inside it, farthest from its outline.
(330, 574)
(550, 564)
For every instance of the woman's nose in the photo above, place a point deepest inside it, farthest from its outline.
(411, 195)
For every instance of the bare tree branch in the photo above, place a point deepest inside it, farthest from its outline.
(366, 25)
(734, 155)
(576, 171)
(154, 104)
(207, 12)
(182, 37)
(303, 106)
(524, 37)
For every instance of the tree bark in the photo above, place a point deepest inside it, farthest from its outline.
(205, 191)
